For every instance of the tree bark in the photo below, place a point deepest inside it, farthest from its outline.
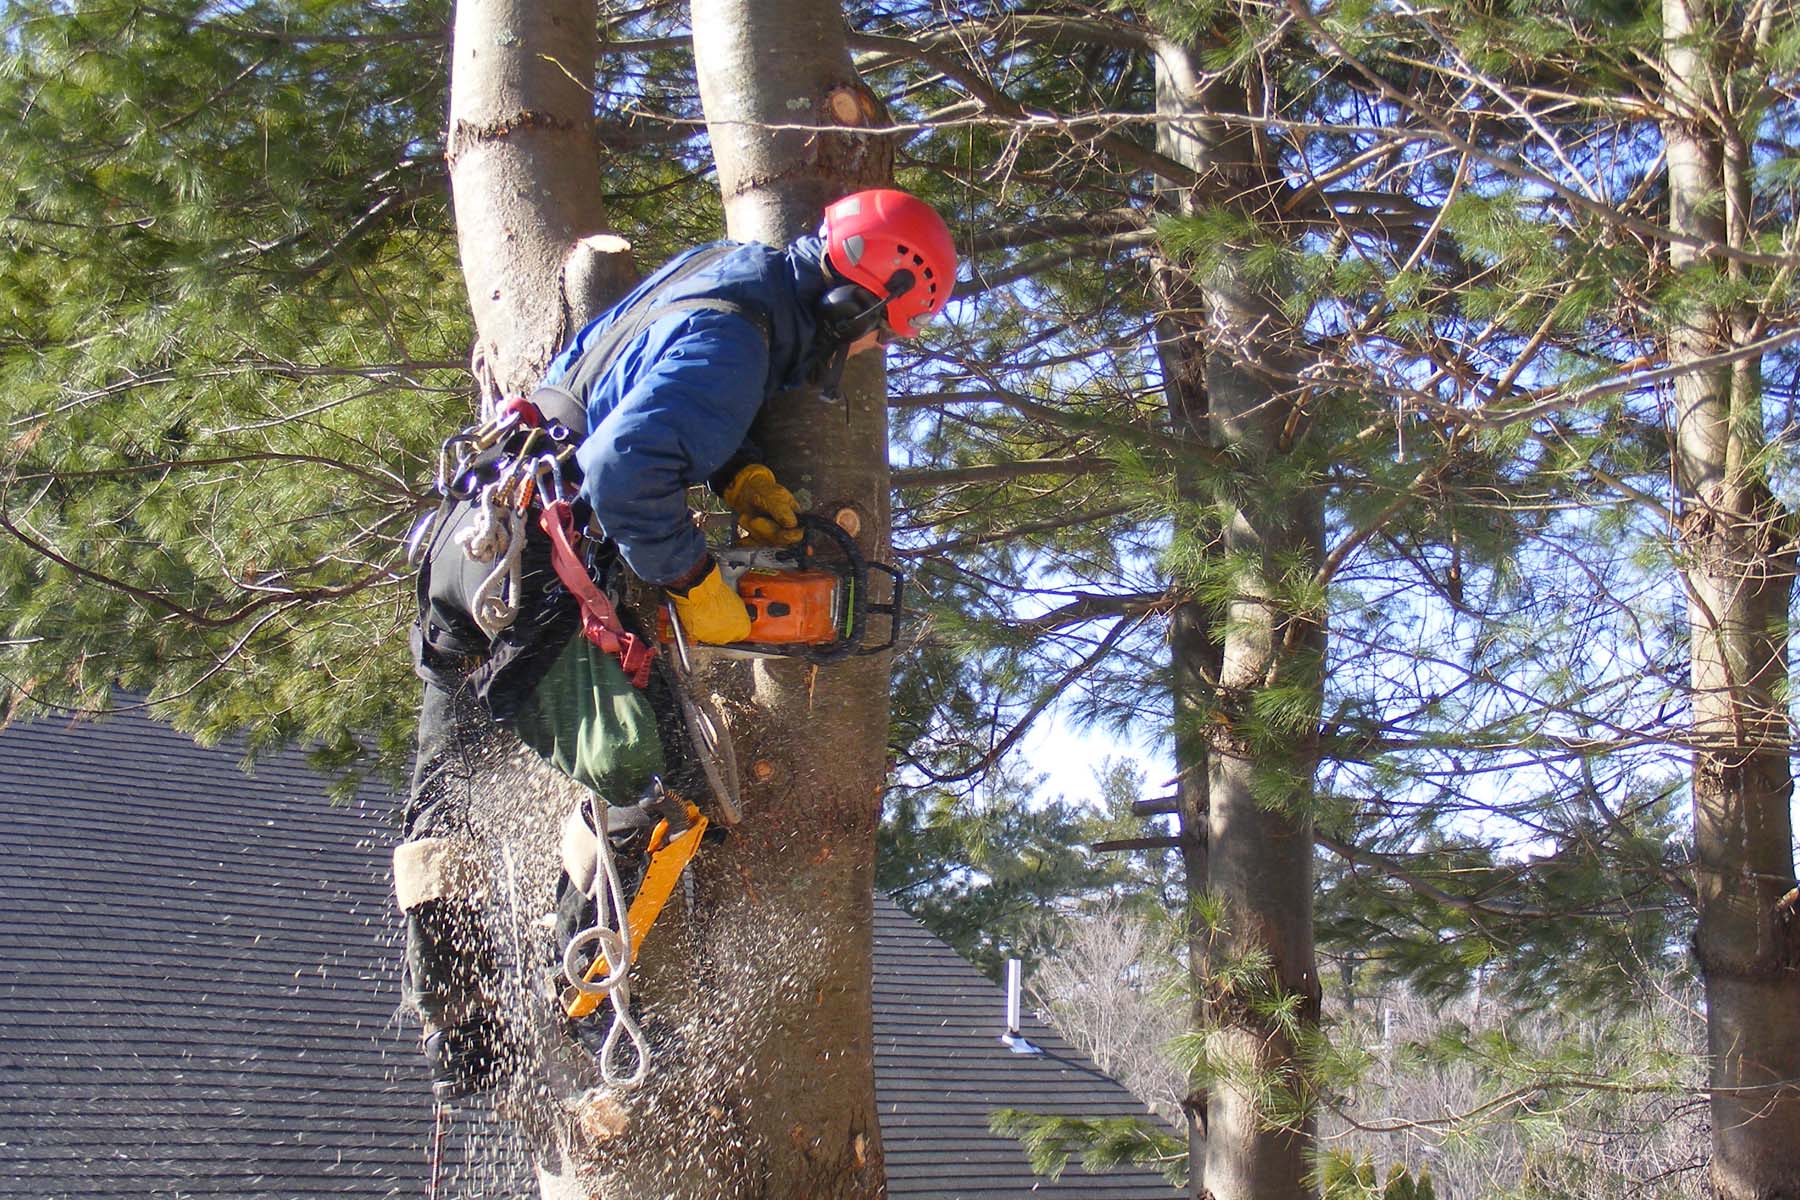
(1193, 654)
(1737, 561)
(531, 230)
(1229, 364)
(813, 741)
(524, 174)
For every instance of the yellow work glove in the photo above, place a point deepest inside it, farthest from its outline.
(766, 511)
(710, 611)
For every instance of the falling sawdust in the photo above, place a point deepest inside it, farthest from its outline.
(687, 1129)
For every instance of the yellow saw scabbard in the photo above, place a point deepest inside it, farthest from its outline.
(668, 859)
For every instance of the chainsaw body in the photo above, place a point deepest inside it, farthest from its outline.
(790, 608)
(810, 600)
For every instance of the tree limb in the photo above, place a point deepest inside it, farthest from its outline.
(999, 472)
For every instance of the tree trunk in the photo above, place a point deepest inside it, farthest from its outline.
(800, 869)
(530, 226)
(1193, 654)
(1738, 565)
(1258, 1128)
(524, 174)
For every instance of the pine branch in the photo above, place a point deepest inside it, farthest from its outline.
(1015, 533)
(1044, 699)
(946, 477)
(1000, 103)
(1385, 865)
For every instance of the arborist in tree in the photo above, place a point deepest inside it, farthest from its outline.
(555, 510)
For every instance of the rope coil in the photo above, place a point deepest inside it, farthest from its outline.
(614, 941)
(495, 537)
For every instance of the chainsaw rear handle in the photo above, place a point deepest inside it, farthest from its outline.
(850, 645)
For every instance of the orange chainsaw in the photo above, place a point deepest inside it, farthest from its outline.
(810, 600)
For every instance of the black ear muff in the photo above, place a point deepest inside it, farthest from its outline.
(848, 312)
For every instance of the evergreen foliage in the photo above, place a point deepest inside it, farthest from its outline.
(232, 334)
(988, 871)
(1100, 1143)
(226, 358)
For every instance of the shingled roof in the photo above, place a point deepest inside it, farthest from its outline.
(941, 1068)
(199, 998)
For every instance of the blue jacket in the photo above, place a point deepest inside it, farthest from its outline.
(677, 401)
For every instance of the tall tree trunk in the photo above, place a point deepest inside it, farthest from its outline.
(801, 866)
(1738, 565)
(1193, 654)
(531, 230)
(524, 174)
(1258, 862)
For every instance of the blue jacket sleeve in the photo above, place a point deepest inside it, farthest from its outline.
(695, 389)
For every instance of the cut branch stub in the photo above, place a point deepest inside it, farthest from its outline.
(860, 156)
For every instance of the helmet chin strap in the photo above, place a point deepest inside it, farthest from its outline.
(827, 370)
(847, 312)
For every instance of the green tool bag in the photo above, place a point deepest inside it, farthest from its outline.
(587, 720)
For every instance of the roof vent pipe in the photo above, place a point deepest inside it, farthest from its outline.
(1014, 1040)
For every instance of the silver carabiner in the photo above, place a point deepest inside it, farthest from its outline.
(547, 472)
(421, 535)
(444, 474)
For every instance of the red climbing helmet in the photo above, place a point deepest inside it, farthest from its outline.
(897, 247)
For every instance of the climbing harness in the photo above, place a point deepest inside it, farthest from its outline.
(509, 470)
(508, 490)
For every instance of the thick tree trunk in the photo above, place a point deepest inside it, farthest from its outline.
(524, 173)
(524, 169)
(524, 166)
(1193, 654)
(764, 1081)
(814, 742)
(1257, 1137)
(1738, 564)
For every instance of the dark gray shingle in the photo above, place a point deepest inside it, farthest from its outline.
(199, 994)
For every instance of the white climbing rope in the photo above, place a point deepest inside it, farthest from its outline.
(613, 939)
(489, 533)
(495, 537)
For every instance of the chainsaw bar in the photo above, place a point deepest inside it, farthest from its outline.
(718, 758)
(707, 732)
